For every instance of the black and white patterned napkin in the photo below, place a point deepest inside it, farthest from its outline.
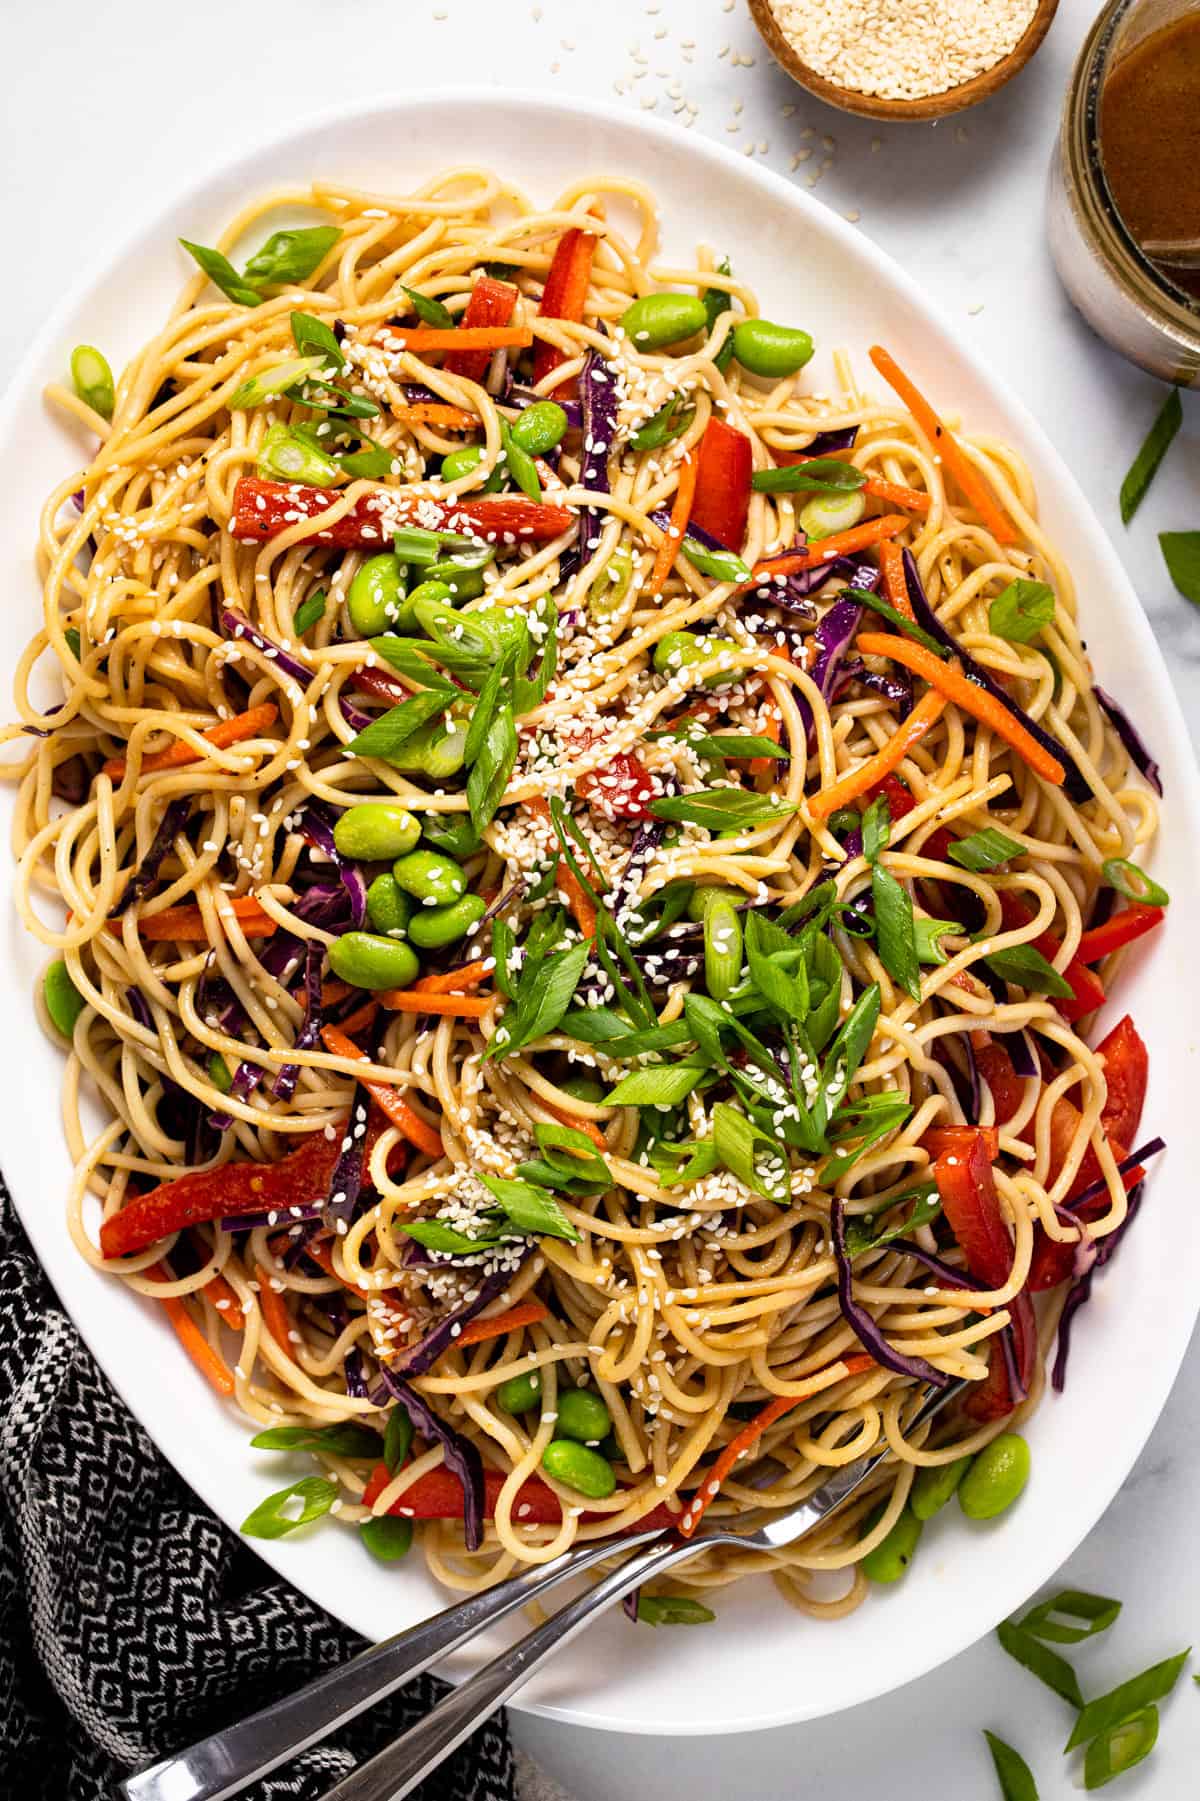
(132, 1621)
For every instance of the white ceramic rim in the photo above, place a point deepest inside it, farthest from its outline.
(1051, 1521)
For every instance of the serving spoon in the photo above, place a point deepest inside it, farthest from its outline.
(229, 1760)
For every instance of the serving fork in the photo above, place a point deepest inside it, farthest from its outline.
(229, 1760)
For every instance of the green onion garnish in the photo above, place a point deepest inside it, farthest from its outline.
(1070, 1616)
(1012, 1772)
(1181, 551)
(1021, 612)
(1113, 1752)
(984, 850)
(822, 475)
(673, 1610)
(722, 565)
(93, 379)
(1133, 882)
(343, 1439)
(1145, 464)
(1127, 1699)
(289, 1508)
(309, 611)
(270, 382)
(1041, 1661)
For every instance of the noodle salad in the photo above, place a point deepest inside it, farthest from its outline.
(580, 873)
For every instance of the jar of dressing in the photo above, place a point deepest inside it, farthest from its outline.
(1123, 209)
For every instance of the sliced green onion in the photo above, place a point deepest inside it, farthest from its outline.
(1012, 1772)
(722, 565)
(282, 456)
(270, 382)
(1181, 553)
(1025, 967)
(669, 423)
(413, 545)
(437, 1235)
(984, 850)
(1127, 1699)
(313, 337)
(1133, 882)
(895, 931)
(218, 1074)
(1021, 612)
(876, 828)
(530, 1209)
(754, 1158)
(823, 475)
(1145, 464)
(722, 948)
(1041, 1662)
(1120, 1748)
(717, 301)
(343, 1439)
(521, 465)
(93, 379)
(309, 611)
(289, 1508)
(397, 1439)
(722, 809)
(929, 935)
(74, 641)
(861, 1235)
(607, 593)
(291, 255)
(64, 1003)
(658, 1085)
(1052, 1620)
(428, 310)
(389, 1538)
(900, 621)
(673, 1610)
(826, 514)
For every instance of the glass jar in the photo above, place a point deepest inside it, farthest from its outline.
(1130, 302)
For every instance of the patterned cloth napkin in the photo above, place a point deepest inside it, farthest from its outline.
(132, 1621)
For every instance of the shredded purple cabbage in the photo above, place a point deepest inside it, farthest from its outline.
(146, 874)
(1021, 1053)
(139, 1006)
(424, 1354)
(861, 1322)
(1130, 737)
(310, 1026)
(945, 1272)
(238, 626)
(352, 1368)
(826, 442)
(1075, 783)
(459, 1453)
(71, 780)
(966, 1086)
(1081, 1290)
(1095, 1189)
(1018, 1390)
(345, 1184)
(316, 827)
(290, 1216)
(356, 717)
(895, 686)
(598, 396)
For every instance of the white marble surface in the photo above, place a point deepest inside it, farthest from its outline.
(108, 107)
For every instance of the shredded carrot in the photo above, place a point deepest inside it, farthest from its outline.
(453, 1006)
(461, 337)
(775, 1409)
(418, 1131)
(949, 680)
(429, 412)
(456, 981)
(213, 1368)
(772, 728)
(218, 1291)
(581, 907)
(681, 512)
(222, 735)
(186, 924)
(946, 445)
(361, 1018)
(897, 495)
(895, 588)
(839, 544)
(847, 789)
(525, 1313)
(274, 1312)
(588, 1127)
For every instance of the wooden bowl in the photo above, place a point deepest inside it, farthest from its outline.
(932, 106)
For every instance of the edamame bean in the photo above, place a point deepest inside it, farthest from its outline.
(520, 1394)
(389, 909)
(461, 462)
(433, 927)
(657, 320)
(889, 1560)
(584, 1088)
(582, 1415)
(428, 593)
(366, 960)
(464, 580)
(64, 1003)
(934, 1487)
(93, 379)
(540, 427)
(376, 830)
(996, 1477)
(376, 593)
(771, 350)
(722, 949)
(431, 879)
(704, 898)
(829, 513)
(578, 1467)
(678, 650)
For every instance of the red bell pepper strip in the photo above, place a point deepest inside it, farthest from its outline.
(941, 1141)
(1126, 1069)
(967, 1189)
(565, 293)
(722, 498)
(996, 1067)
(381, 685)
(1123, 928)
(206, 1194)
(263, 509)
(1087, 990)
(492, 302)
(622, 788)
(437, 1495)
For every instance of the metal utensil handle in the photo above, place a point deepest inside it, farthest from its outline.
(396, 1771)
(218, 1766)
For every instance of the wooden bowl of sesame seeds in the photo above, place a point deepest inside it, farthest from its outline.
(927, 39)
